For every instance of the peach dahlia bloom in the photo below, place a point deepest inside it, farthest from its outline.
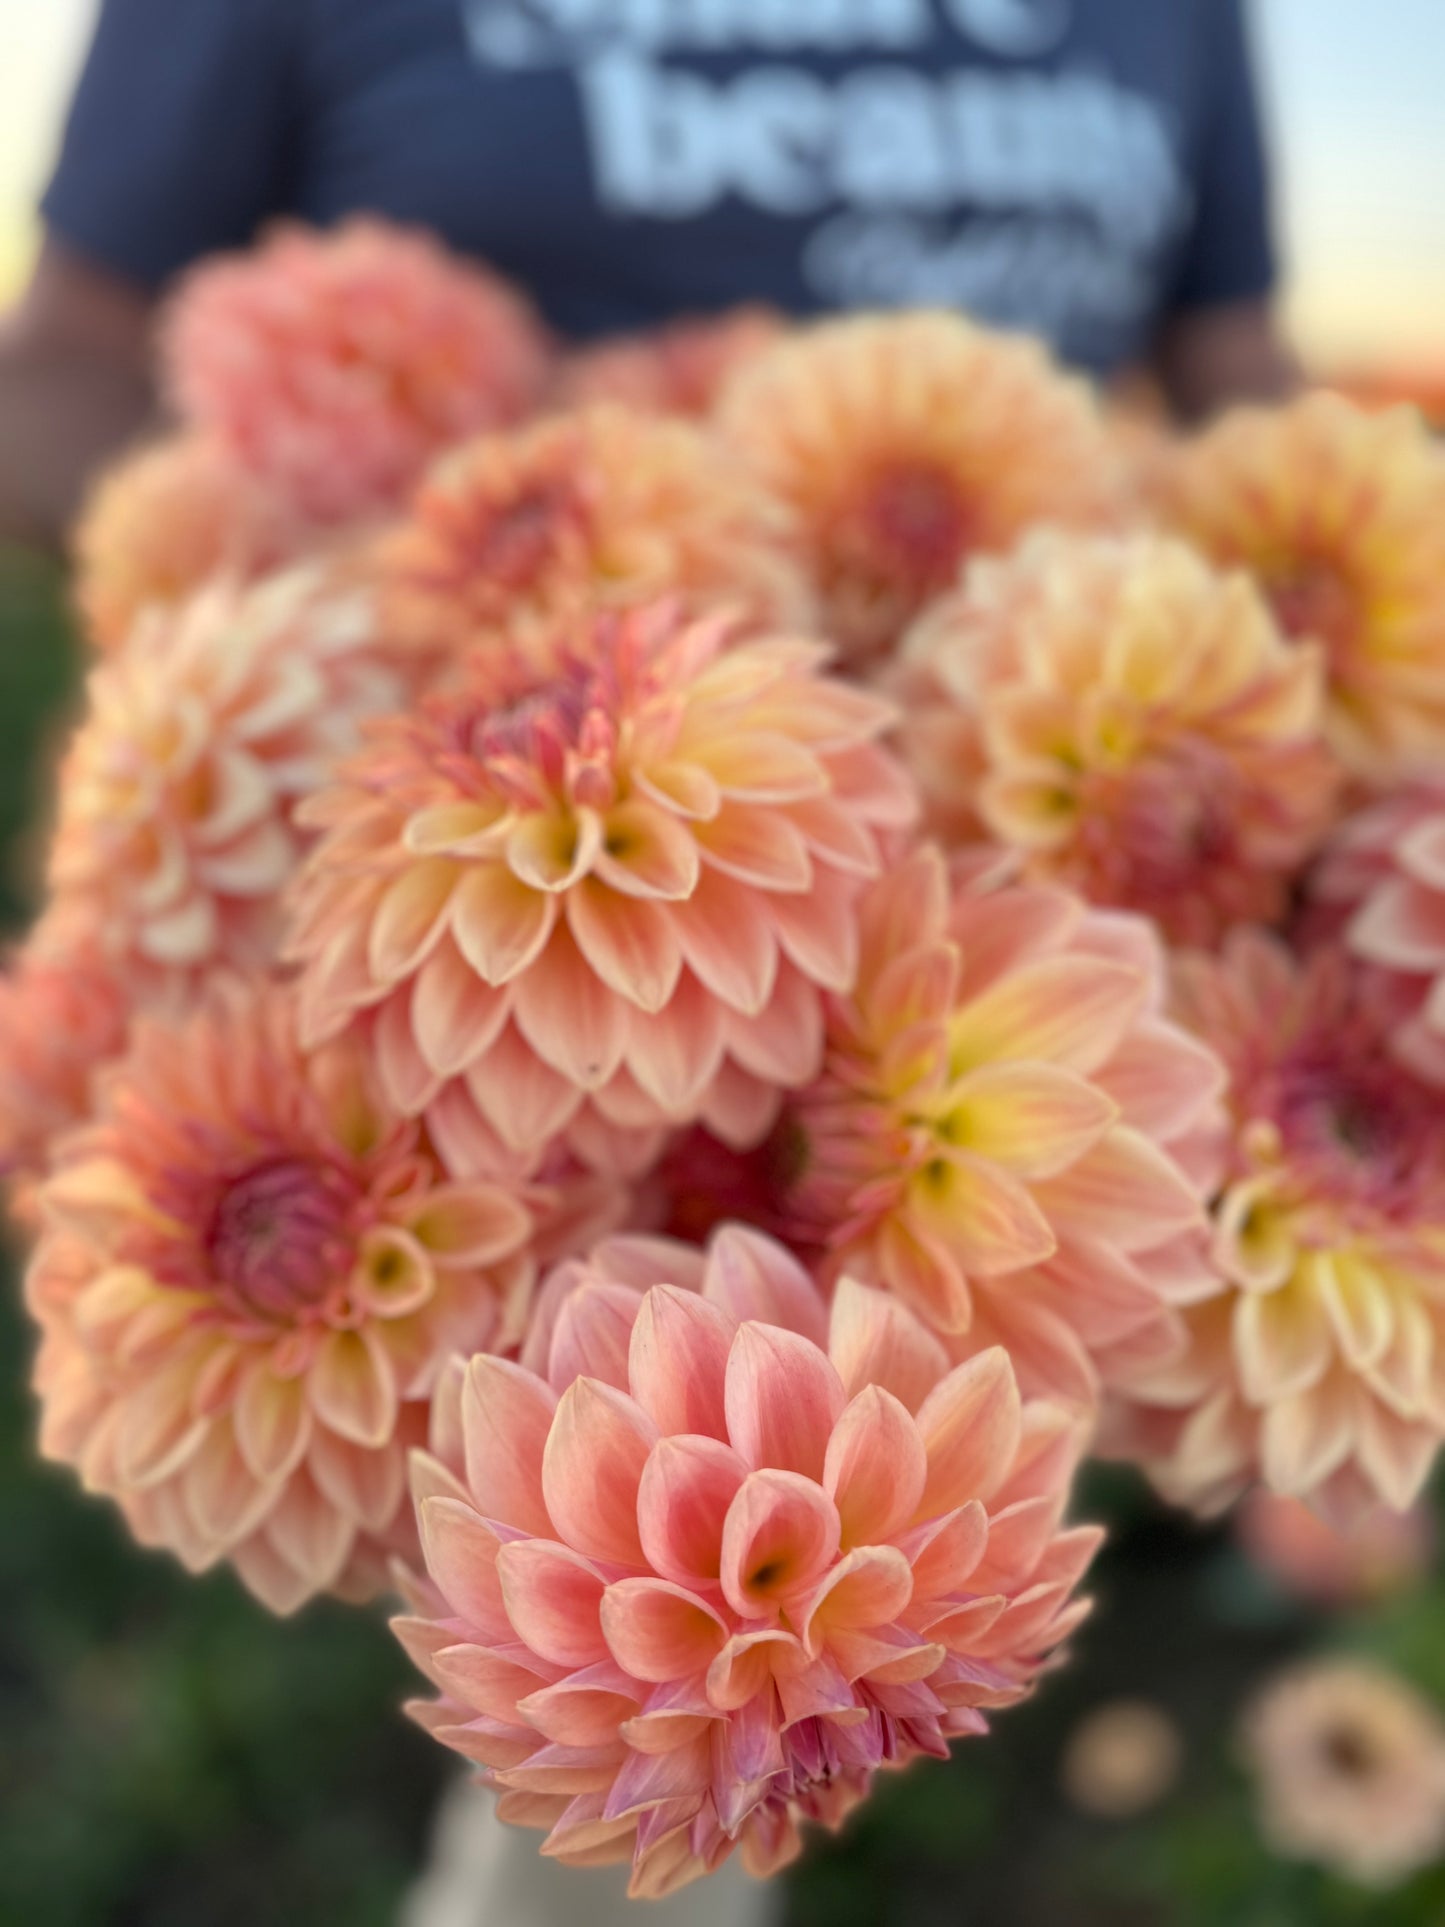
(628, 876)
(998, 1130)
(250, 1275)
(903, 446)
(165, 522)
(1336, 511)
(606, 508)
(718, 1557)
(336, 366)
(1140, 730)
(675, 370)
(1350, 1766)
(1318, 1362)
(176, 829)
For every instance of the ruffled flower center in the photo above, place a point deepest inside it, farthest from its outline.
(1312, 601)
(913, 515)
(278, 1236)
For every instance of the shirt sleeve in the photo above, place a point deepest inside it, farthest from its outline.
(182, 136)
(1230, 253)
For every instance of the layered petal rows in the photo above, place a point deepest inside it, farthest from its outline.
(713, 1556)
(1007, 1131)
(249, 1276)
(1318, 1362)
(622, 878)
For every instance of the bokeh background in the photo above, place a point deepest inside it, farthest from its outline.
(170, 1757)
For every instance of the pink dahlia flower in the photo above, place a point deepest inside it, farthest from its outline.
(336, 366)
(1006, 1131)
(715, 1558)
(1318, 1361)
(604, 509)
(176, 830)
(250, 1275)
(628, 876)
(676, 370)
(167, 521)
(1130, 721)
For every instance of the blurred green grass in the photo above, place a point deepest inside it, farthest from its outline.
(170, 1756)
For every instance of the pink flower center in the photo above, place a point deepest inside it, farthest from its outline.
(916, 517)
(278, 1237)
(512, 543)
(1313, 602)
(1363, 1130)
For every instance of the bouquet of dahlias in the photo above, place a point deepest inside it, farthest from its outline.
(675, 975)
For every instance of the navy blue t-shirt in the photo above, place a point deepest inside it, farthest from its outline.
(1082, 168)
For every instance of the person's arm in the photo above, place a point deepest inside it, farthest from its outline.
(183, 136)
(1220, 340)
(75, 385)
(1214, 356)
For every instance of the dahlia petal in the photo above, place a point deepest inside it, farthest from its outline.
(923, 1271)
(1070, 1011)
(687, 1486)
(868, 1587)
(970, 1427)
(819, 932)
(744, 1666)
(407, 1080)
(586, 1709)
(782, 1398)
(646, 852)
(470, 1224)
(756, 845)
(592, 1336)
(554, 851)
(630, 942)
(352, 1387)
(678, 1362)
(486, 1681)
(1358, 1305)
(674, 1715)
(728, 943)
(223, 1497)
(1395, 1455)
(280, 1586)
(782, 1045)
(591, 1469)
(754, 1279)
(987, 1218)
(1032, 1118)
(524, 1101)
(158, 1430)
(367, 1487)
(448, 829)
(499, 923)
(780, 1533)
(658, 1631)
(553, 1599)
(506, 1418)
(1161, 1079)
(311, 1535)
(1125, 1190)
(674, 1053)
(570, 1017)
(564, 1769)
(944, 1554)
(272, 1417)
(1282, 1341)
(1303, 1439)
(646, 1780)
(875, 1467)
(1401, 926)
(873, 1340)
(461, 1553)
(410, 918)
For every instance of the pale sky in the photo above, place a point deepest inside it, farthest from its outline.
(1356, 87)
